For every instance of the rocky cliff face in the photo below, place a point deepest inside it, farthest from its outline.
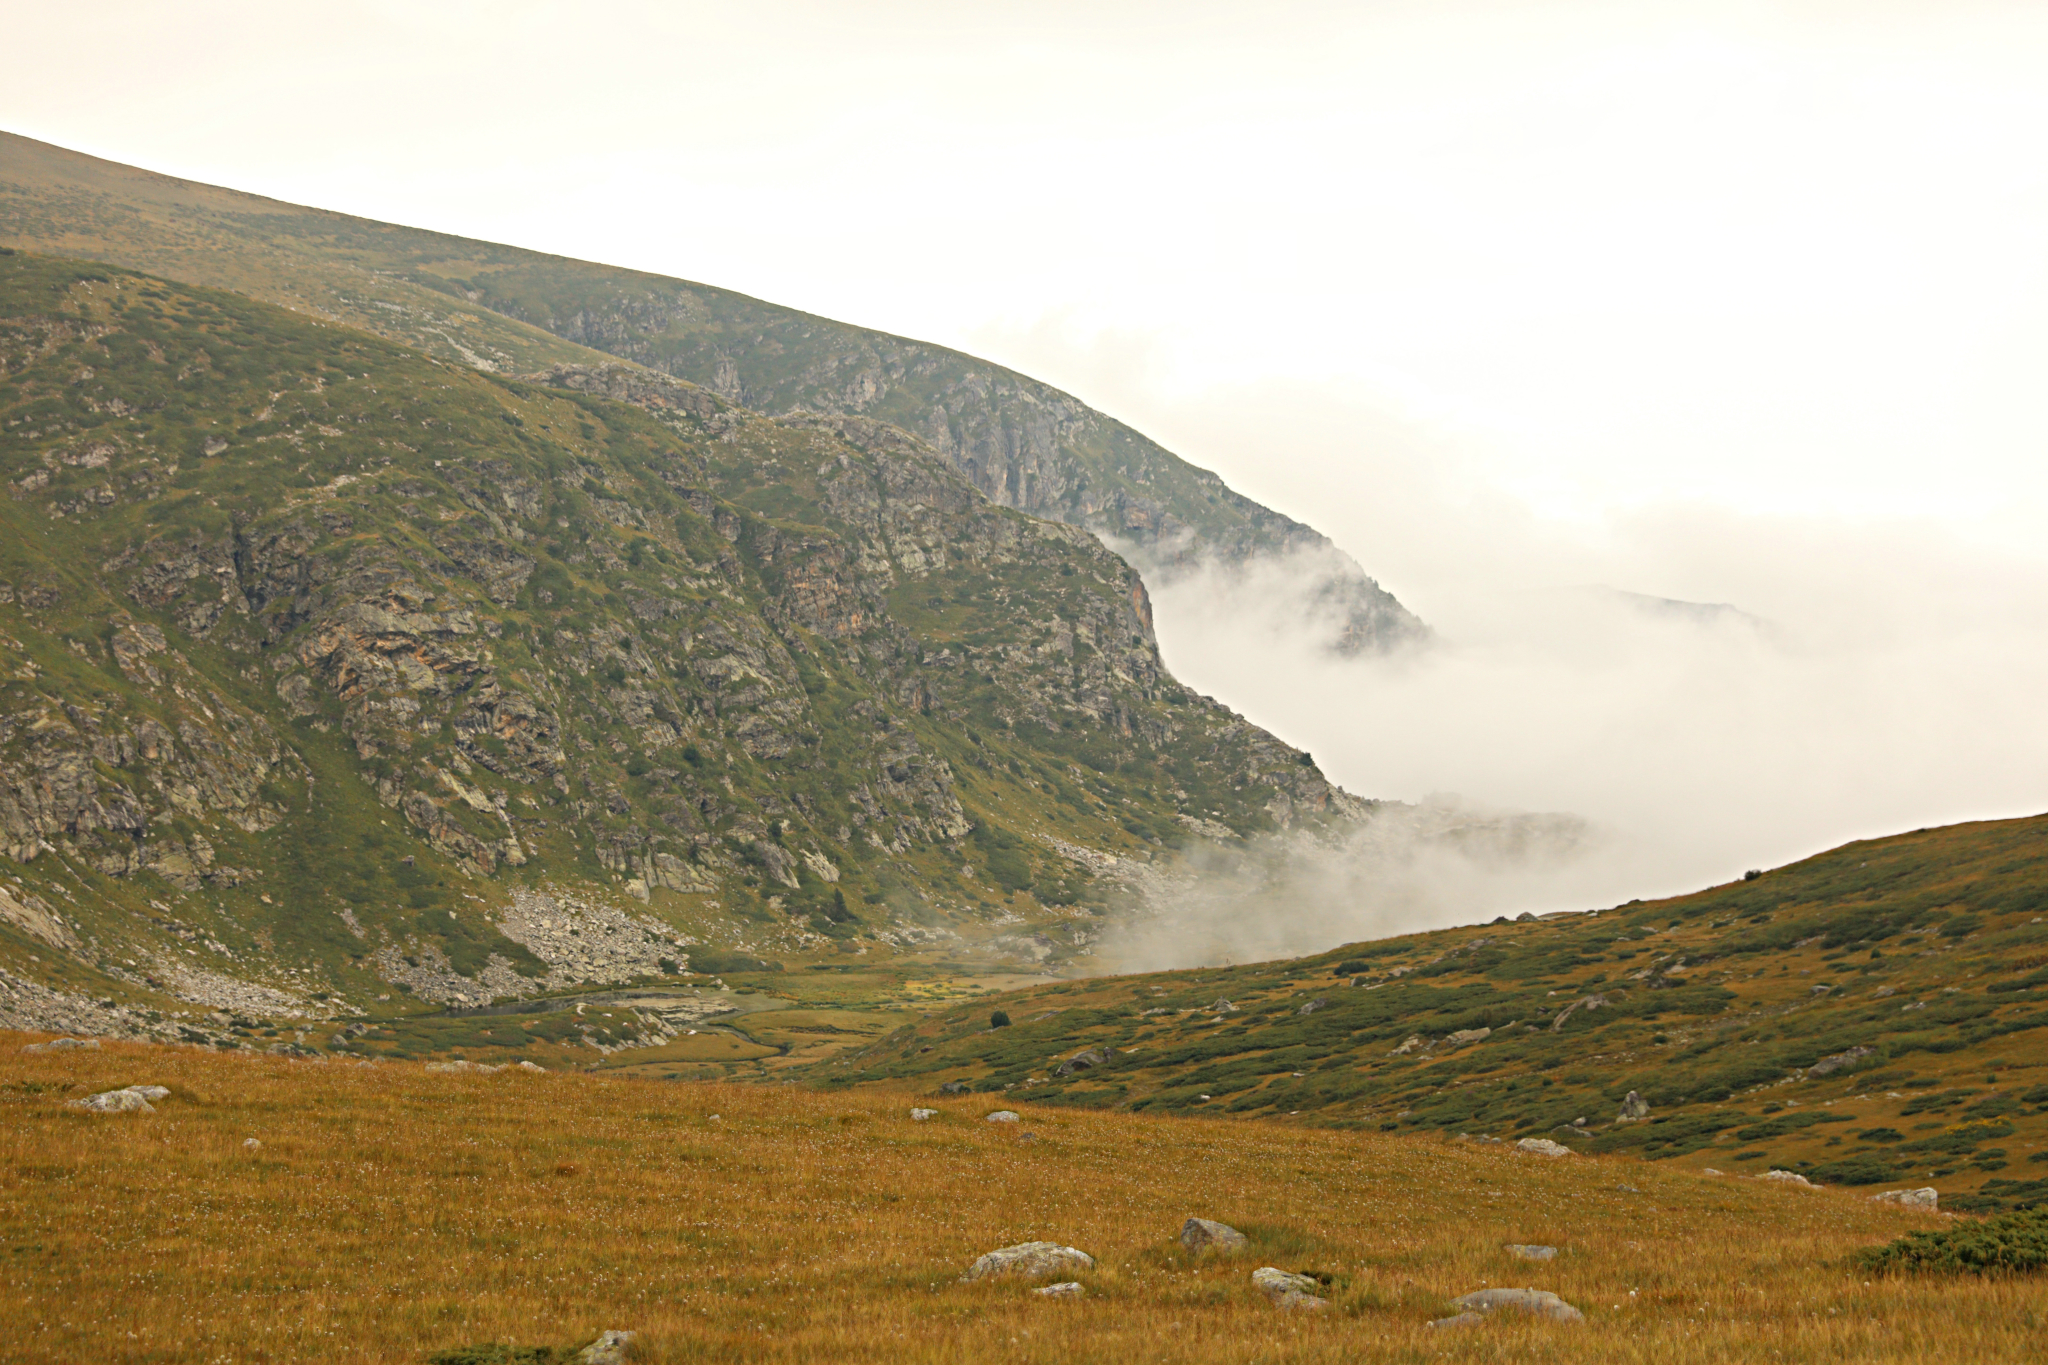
(499, 309)
(317, 655)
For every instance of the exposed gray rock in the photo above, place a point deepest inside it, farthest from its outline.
(1004, 1116)
(1071, 1289)
(1288, 1290)
(1787, 1178)
(1540, 1302)
(1084, 1060)
(1198, 1233)
(1634, 1109)
(1543, 1147)
(953, 1088)
(1836, 1061)
(1312, 1006)
(920, 1115)
(62, 1045)
(1926, 1198)
(1028, 1261)
(608, 1349)
(1589, 1003)
(131, 1100)
(1530, 1252)
(1467, 1035)
(1459, 1320)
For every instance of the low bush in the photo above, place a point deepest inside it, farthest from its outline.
(2012, 1244)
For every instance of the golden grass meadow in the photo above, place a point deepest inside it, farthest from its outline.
(388, 1212)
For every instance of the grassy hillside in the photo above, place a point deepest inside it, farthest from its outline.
(506, 310)
(330, 671)
(277, 1210)
(1871, 1016)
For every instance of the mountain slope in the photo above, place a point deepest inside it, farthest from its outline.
(1871, 1015)
(505, 310)
(328, 669)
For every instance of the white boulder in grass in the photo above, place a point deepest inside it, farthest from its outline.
(1540, 1302)
(1197, 1233)
(1543, 1147)
(1028, 1261)
(1788, 1178)
(1287, 1289)
(921, 1115)
(133, 1099)
(1005, 1116)
(1926, 1198)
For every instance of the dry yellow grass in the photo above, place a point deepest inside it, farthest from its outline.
(390, 1212)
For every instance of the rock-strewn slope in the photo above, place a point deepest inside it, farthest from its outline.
(313, 648)
(1023, 444)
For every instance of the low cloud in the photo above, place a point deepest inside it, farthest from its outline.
(1706, 691)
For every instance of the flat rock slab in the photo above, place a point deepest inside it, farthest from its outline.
(1197, 1233)
(1028, 1261)
(1540, 1302)
(62, 1045)
(1530, 1252)
(1070, 1290)
(1543, 1147)
(920, 1115)
(1927, 1198)
(1459, 1320)
(1788, 1178)
(1005, 1116)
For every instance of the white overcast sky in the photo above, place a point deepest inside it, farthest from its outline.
(1782, 258)
(1723, 301)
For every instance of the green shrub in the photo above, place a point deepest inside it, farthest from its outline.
(999, 1019)
(2011, 1244)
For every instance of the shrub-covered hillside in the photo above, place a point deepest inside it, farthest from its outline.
(329, 670)
(1873, 1015)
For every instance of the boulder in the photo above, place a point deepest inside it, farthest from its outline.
(128, 1101)
(252, 1144)
(1288, 1290)
(62, 1045)
(1197, 1233)
(1787, 1178)
(1083, 1060)
(1543, 1147)
(1913, 1199)
(1466, 1035)
(1540, 1302)
(920, 1115)
(953, 1088)
(1529, 1252)
(1634, 1109)
(1312, 1006)
(1005, 1116)
(1835, 1061)
(608, 1349)
(1028, 1261)
(529, 1066)
(1071, 1289)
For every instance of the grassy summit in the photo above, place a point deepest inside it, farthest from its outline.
(506, 310)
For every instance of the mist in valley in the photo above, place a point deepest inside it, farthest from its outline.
(1634, 705)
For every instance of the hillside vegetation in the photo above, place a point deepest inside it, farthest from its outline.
(1870, 1017)
(330, 671)
(505, 310)
(277, 1210)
